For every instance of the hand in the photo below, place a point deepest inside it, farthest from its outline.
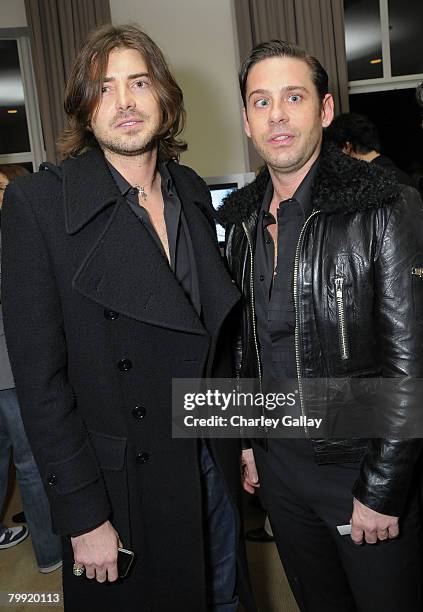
(97, 552)
(249, 476)
(371, 526)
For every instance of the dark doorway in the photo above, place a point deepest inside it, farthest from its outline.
(398, 120)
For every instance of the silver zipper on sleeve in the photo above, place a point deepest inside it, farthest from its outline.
(343, 339)
(297, 315)
(253, 308)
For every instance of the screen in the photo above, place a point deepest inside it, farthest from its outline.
(218, 193)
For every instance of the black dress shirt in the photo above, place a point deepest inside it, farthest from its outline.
(274, 300)
(182, 259)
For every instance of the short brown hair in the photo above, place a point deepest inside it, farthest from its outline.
(280, 48)
(12, 171)
(83, 90)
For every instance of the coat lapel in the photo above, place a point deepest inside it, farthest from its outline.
(88, 188)
(126, 272)
(123, 270)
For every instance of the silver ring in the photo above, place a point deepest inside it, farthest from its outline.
(78, 569)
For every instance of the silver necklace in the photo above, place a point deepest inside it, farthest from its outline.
(141, 191)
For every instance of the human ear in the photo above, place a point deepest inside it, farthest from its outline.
(327, 111)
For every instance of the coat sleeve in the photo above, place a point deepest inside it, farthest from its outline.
(387, 467)
(37, 349)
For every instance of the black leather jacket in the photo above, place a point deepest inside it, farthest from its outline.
(368, 230)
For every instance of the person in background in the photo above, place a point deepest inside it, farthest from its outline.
(358, 137)
(46, 545)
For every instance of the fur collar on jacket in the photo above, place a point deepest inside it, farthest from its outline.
(342, 185)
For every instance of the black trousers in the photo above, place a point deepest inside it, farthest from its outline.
(327, 572)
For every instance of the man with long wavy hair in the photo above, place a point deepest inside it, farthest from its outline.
(105, 258)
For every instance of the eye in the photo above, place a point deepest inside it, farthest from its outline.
(294, 98)
(141, 84)
(105, 88)
(262, 103)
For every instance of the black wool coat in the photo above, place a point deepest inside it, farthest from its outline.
(97, 326)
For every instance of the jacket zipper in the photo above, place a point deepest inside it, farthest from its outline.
(253, 307)
(297, 315)
(343, 339)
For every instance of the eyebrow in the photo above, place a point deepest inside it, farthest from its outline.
(137, 75)
(288, 88)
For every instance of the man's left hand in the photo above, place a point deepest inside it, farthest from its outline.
(371, 526)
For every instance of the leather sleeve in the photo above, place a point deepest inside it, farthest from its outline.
(237, 344)
(387, 466)
(37, 348)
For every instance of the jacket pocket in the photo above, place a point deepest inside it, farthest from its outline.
(111, 457)
(110, 451)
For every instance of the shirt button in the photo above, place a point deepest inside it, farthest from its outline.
(111, 315)
(142, 457)
(52, 480)
(138, 412)
(268, 240)
(261, 277)
(124, 365)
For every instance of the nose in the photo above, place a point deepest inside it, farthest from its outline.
(124, 98)
(278, 113)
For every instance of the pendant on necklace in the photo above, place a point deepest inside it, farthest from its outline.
(141, 191)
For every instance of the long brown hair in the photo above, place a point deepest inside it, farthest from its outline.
(83, 90)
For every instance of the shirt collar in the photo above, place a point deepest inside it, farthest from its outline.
(125, 187)
(167, 183)
(303, 191)
(302, 194)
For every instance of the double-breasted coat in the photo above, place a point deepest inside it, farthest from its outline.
(97, 326)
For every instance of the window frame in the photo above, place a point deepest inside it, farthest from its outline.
(37, 153)
(387, 82)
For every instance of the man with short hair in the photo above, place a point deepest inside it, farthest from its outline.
(358, 137)
(324, 249)
(113, 285)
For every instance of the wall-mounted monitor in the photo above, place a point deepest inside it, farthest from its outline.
(220, 187)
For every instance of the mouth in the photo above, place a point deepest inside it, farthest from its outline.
(281, 139)
(129, 123)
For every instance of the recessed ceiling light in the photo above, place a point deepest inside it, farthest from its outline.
(12, 111)
(376, 61)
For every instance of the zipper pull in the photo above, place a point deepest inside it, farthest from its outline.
(339, 285)
(417, 272)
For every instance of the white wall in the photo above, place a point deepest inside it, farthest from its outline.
(198, 39)
(12, 14)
